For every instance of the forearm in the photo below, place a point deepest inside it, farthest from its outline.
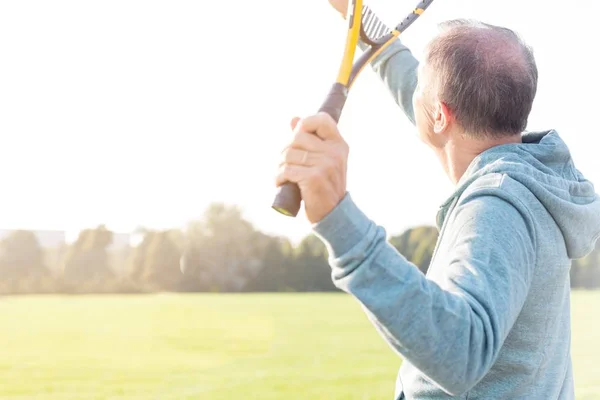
(397, 68)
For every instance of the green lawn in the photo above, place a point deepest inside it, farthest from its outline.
(286, 346)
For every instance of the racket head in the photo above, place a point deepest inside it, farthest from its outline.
(375, 32)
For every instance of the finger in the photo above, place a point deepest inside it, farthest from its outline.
(294, 122)
(306, 141)
(340, 6)
(291, 173)
(321, 124)
(299, 157)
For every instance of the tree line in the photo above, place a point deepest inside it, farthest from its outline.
(220, 252)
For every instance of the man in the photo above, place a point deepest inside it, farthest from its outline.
(491, 320)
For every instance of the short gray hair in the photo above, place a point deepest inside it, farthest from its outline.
(485, 74)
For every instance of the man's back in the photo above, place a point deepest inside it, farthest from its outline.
(539, 179)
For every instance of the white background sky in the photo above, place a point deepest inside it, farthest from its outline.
(143, 112)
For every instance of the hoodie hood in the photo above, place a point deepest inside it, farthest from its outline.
(543, 164)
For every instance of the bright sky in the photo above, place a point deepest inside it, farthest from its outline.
(143, 112)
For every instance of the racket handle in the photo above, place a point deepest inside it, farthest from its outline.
(288, 198)
(335, 101)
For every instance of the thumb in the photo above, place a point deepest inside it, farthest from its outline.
(321, 124)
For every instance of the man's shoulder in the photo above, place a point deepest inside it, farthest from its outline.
(496, 192)
(495, 184)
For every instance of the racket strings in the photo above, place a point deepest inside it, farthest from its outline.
(373, 27)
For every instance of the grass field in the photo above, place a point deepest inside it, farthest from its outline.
(288, 346)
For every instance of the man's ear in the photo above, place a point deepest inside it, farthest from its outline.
(441, 118)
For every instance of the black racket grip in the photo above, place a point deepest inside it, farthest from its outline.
(335, 101)
(288, 198)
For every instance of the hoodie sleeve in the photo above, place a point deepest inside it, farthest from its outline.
(397, 68)
(453, 327)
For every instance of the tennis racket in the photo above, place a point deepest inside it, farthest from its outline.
(363, 24)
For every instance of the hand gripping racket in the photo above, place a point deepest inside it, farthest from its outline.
(377, 36)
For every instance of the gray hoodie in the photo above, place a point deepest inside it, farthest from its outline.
(491, 320)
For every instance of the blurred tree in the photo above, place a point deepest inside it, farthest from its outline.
(21, 256)
(87, 259)
(135, 269)
(276, 259)
(160, 268)
(223, 251)
(310, 270)
(417, 245)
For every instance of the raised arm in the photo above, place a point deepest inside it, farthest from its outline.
(450, 327)
(397, 68)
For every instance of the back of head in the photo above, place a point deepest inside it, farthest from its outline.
(485, 74)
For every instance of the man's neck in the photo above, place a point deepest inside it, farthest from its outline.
(459, 152)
